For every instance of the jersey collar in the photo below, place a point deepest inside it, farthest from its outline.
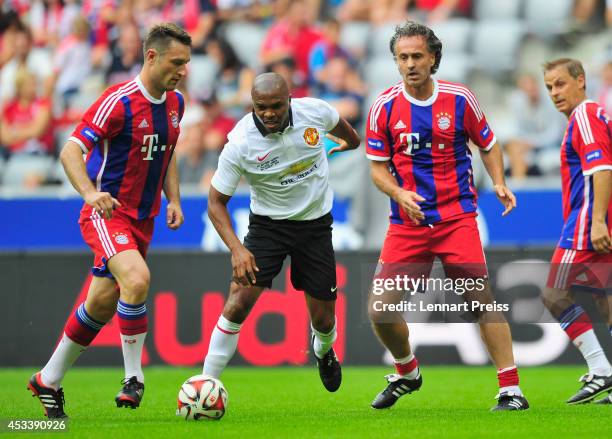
(426, 103)
(147, 94)
(263, 130)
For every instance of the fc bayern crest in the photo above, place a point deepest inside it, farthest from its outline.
(311, 136)
(174, 118)
(120, 238)
(444, 120)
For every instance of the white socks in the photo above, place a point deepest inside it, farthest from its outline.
(323, 342)
(592, 352)
(132, 345)
(63, 358)
(223, 343)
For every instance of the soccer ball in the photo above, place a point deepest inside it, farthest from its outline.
(202, 397)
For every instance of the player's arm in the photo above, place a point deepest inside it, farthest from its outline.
(345, 136)
(494, 163)
(243, 261)
(74, 166)
(386, 182)
(602, 191)
(174, 212)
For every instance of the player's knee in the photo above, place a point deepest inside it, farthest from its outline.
(323, 321)
(137, 285)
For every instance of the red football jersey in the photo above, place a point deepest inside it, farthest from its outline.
(129, 137)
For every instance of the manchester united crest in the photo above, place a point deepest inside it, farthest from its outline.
(174, 118)
(444, 120)
(311, 136)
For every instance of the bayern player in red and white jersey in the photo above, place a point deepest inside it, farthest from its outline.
(417, 142)
(583, 255)
(128, 136)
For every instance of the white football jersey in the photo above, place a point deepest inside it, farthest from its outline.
(287, 172)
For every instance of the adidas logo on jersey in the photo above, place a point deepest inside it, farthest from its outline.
(399, 125)
(143, 124)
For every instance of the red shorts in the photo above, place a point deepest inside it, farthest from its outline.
(579, 267)
(411, 249)
(106, 238)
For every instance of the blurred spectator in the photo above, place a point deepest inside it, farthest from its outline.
(291, 37)
(200, 154)
(23, 58)
(298, 87)
(245, 10)
(539, 127)
(9, 24)
(327, 48)
(233, 81)
(102, 16)
(353, 10)
(126, 55)
(26, 119)
(51, 21)
(604, 95)
(72, 62)
(195, 16)
(342, 88)
(434, 11)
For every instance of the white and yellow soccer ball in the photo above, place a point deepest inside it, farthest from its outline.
(202, 397)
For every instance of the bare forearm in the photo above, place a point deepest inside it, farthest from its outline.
(602, 187)
(346, 132)
(494, 164)
(383, 180)
(171, 184)
(74, 166)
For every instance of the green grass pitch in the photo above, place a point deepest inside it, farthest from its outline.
(291, 403)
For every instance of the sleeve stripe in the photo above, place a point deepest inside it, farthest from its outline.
(78, 142)
(379, 102)
(467, 94)
(584, 125)
(597, 169)
(109, 103)
(378, 158)
(491, 144)
(117, 99)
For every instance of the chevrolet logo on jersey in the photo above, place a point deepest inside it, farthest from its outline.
(297, 168)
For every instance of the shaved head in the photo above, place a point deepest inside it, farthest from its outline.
(270, 84)
(270, 95)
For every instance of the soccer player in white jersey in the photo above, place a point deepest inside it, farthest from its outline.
(278, 149)
(584, 252)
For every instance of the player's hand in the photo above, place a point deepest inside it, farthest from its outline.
(243, 267)
(409, 202)
(600, 237)
(174, 216)
(506, 197)
(342, 144)
(103, 202)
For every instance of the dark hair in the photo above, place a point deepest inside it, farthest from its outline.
(412, 29)
(230, 58)
(573, 66)
(160, 35)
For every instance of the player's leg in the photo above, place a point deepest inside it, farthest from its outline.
(224, 338)
(269, 251)
(457, 244)
(84, 324)
(81, 328)
(132, 274)
(313, 270)
(604, 306)
(405, 252)
(566, 265)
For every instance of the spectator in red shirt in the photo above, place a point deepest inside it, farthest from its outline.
(26, 119)
(291, 37)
